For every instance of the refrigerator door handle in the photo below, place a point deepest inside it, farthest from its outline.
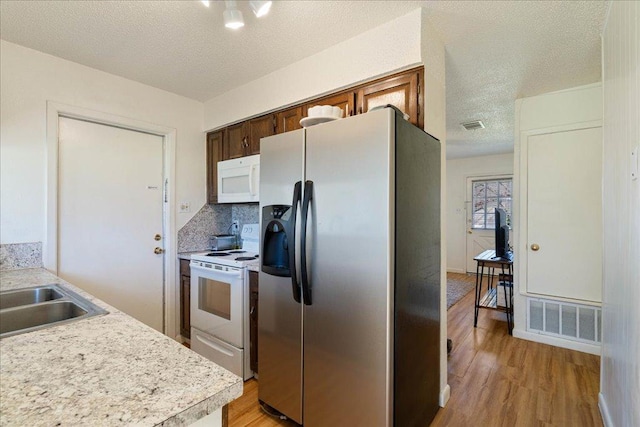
(306, 288)
(297, 190)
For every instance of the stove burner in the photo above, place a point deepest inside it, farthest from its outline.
(218, 254)
(246, 258)
(237, 252)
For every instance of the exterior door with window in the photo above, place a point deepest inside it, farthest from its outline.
(484, 195)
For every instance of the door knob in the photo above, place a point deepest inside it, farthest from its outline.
(535, 247)
(158, 251)
(469, 231)
(157, 237)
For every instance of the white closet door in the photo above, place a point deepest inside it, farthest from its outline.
(109, 210)
(564, 198)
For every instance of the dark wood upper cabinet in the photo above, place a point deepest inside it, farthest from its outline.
(401, 91)
(243, 139)
(235, 141)
(214, 155)
(260, 127)
(289, 119)
(345, 100)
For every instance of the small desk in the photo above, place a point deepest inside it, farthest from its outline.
(487, 259)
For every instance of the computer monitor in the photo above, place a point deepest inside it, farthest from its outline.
(502, 235)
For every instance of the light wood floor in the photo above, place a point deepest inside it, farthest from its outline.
(495, 379)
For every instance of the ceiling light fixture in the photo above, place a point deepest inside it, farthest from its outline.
(232, 16)
(260, 8)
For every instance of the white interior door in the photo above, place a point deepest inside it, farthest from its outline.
(564, 208)
(110, 207)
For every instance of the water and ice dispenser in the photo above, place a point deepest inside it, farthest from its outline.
(277, 230)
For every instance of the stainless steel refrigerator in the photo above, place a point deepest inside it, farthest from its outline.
(349, 290)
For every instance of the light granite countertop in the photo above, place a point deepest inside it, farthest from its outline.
(105, 370)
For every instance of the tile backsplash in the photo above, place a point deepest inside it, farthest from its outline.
(211, 219)
(15, 256)
(245, 213)
(214, 219)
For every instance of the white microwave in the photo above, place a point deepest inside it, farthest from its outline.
(239, 180)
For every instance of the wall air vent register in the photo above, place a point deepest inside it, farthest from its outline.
(476, 124)
(576, 322)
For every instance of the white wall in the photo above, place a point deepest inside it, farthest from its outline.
(458, 170)
(433, 58)
(381, 50)
(620, 363)
(28, 79)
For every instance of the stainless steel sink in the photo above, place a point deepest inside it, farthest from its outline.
(9, 299)
(30, 309)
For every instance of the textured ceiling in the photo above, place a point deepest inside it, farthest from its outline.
(496, 51)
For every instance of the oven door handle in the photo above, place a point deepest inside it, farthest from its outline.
(295, 286)
(237, 273)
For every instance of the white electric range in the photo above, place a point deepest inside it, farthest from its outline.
(220, 303)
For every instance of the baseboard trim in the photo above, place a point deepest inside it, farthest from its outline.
(445, 394)
(558, 342)
(604, 411)
(456, 270)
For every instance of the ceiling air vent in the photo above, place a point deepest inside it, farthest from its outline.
(476, 124)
